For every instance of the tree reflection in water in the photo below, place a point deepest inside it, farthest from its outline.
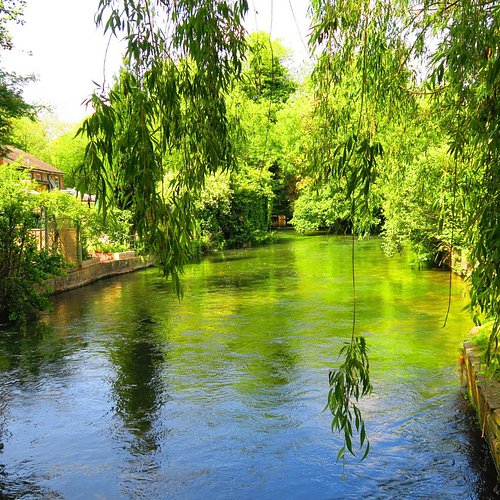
(138, 354)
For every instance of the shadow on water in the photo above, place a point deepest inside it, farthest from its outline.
(221, 257)
(27, 487)
(483, 473)
(38, 345)
(138, 354)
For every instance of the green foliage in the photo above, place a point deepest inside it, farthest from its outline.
(348, 383)
(434, 201)
(169, 104)
(487, 346)
(466, 66)
(67, 152)
(112, 233)
(320, 209)
(213, 206)
(12, 104)
(248, 221)
(97, 233)
(291, 136)
(417, 208)
(358, 72)
(22, 266)
(30, 136)
(268, 134)
(60, 205)
(233, 211)
(50, 140)
(125, 127)
(264, 76)
(326, 207)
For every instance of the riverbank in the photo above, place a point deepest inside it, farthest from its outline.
(96, 269)
(484, 395)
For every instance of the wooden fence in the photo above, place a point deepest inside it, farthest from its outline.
(66, 240)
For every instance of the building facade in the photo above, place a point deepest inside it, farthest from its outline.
(44, 176)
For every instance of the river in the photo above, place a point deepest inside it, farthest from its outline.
(123, 391)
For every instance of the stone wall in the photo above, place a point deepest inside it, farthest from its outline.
(485, 397)
(93, 271)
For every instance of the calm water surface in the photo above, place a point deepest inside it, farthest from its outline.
(125, 392)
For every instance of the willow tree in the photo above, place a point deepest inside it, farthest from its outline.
(466, 81)
(388, 44)
(181, 59)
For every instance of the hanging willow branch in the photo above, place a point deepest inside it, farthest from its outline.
(166, 114)
(354, 76)
(348, 383)
(351, 380)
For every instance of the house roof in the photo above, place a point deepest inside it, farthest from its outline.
(12, 154)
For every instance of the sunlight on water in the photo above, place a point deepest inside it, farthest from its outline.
(124, 391)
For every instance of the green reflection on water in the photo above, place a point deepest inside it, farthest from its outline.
(252, 324)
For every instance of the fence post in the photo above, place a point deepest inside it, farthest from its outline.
(79, 252)
(46, 227)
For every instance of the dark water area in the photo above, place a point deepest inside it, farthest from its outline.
(123, 391)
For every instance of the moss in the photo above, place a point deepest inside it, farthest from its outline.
(488, 350)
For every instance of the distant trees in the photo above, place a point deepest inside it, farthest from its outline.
(173, 142)
(52, 141)
(67, 152)
(265, 77)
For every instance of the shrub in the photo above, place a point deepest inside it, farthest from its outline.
(22, 266)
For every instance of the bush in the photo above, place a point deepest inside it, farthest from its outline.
(110, 233)
(487, 350)
(22, 266)
(232, 216)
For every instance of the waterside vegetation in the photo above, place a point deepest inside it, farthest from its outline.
(205, 134)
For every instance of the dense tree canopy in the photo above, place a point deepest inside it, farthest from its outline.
(397, 128)
(265, 77)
